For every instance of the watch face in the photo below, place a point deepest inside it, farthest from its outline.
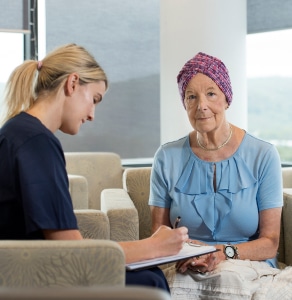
(229, 251)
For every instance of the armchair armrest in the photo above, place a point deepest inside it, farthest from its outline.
(49, 263)
(78, 189)
(136, 181)
(122, 214)
(93, 224)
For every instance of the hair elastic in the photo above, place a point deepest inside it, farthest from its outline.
(40, 64)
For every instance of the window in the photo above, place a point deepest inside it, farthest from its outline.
(269, 72)
(11, 55)
(124, 39)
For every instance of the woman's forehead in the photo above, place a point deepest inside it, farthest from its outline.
(201, 80)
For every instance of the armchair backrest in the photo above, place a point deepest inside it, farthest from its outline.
(101, 169)
(136, 181)
(287, 177)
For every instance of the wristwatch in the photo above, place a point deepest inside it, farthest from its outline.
(231, 252)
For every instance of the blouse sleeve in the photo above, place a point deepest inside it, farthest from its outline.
(270, 181)
(159, 195)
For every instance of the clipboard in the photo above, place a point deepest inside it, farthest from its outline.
(187, 251)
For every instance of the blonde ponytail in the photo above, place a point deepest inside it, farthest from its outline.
(19, 91)
(32, 78)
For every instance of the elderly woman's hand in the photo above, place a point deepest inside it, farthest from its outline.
(200, 264)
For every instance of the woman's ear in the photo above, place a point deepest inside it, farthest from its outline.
(71, 83)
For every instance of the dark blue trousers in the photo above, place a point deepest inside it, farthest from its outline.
(151, 277)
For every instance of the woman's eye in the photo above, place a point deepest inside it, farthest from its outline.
(96, 100)
(191, 97)
(211, 94)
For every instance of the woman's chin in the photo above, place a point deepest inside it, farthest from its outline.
(70, 131)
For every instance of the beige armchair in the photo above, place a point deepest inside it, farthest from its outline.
(90, 173)
(134, 198)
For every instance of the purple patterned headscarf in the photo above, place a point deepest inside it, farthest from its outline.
(210, 66)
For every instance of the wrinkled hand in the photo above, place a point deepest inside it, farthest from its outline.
(200, 264)
(169, 241)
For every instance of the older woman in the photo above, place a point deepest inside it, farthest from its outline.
(224, 183)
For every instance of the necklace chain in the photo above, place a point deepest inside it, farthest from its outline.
(219, 147)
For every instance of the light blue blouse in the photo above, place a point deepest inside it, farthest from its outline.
(247, 182)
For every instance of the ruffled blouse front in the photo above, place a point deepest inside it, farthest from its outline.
(232, 176)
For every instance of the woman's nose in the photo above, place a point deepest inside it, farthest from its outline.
(90, 117)
(202, 103)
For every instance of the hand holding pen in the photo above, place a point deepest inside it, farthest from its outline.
(168, 241)
(191, 243)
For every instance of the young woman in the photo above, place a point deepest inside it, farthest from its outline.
(58, 93)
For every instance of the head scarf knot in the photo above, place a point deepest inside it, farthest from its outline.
(209, 66)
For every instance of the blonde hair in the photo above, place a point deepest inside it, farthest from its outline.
(33, 78)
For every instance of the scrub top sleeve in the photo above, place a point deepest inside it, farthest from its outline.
(44, 186)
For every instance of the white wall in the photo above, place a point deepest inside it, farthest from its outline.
(187, 27)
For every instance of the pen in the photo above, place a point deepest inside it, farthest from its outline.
(176, 222)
